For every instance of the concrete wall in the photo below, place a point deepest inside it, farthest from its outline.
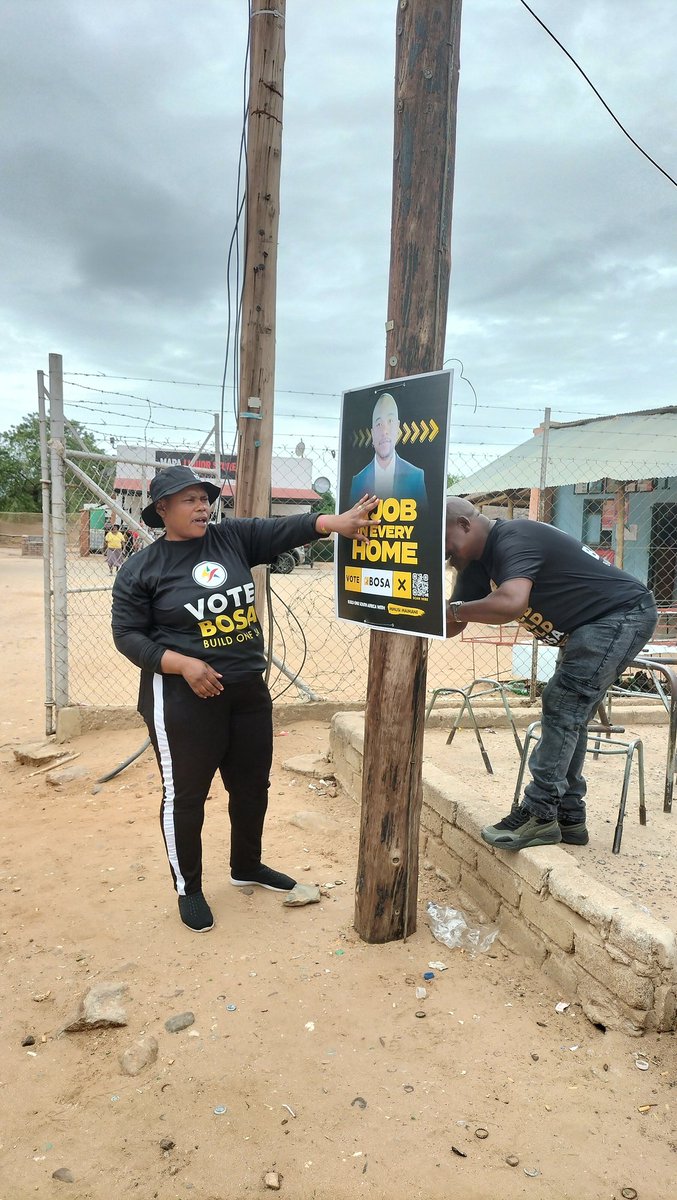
(618, 963)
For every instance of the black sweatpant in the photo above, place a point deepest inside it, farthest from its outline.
(193, 739)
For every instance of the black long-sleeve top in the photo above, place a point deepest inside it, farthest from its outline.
(197, 596)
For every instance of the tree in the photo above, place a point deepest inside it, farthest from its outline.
(323, 550)
(325, 504)
(20, 486)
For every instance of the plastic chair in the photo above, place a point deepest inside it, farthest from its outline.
(610, 746)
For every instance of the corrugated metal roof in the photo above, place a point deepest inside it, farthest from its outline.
(640, 445)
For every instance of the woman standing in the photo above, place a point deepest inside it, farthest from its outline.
(183, 611)
(114, 542)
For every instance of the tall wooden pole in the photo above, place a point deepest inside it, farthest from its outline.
(257, 347)
(426, 86)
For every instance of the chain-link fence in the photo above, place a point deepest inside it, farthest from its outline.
(618, 495)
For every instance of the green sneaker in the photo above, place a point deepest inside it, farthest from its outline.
(574, 835)
(521, 829)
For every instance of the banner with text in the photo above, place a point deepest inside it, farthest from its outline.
(394, 444)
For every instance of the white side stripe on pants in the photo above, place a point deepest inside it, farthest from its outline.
(168, 781)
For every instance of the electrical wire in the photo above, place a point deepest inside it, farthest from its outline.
(572, 412)
(240, 206)
(465, 377)
(599, 97)
(181, 383)
(305, 646)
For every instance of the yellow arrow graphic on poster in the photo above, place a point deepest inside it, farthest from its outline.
(424, 431)
(414, 432)
(407, 433)
(434, 429)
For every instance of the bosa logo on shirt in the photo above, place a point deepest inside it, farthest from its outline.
(209, 574)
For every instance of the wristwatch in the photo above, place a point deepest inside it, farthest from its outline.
(454, 606)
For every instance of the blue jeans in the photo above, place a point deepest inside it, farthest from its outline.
(591, 661)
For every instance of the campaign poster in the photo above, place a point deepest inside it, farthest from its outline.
(394, 444)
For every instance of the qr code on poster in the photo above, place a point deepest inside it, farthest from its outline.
(420, 586)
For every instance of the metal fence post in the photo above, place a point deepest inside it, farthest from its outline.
(58, 539)
(46, 558)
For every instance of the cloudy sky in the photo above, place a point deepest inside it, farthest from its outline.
(120, 138)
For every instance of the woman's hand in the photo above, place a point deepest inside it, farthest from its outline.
(354, 522)
(199, 676)
(202, 678)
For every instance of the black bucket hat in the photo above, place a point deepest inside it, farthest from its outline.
(167, 483)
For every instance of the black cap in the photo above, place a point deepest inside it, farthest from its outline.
(167, 483)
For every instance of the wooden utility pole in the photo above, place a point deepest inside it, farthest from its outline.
(426, 86)
(257, 346)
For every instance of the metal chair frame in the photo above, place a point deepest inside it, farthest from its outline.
(662, 671)
(469, 694)
(610, 746)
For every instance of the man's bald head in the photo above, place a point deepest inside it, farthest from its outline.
(466, 532)
(458, 507)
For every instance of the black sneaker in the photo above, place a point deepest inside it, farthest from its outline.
(521, 829)
(196, 913)
(574, 834)
(266, 877)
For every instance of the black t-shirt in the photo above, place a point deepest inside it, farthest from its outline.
(571, 584)
(197, 596)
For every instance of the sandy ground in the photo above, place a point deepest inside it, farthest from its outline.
(384, 1103)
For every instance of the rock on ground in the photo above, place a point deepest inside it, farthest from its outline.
(38, 754)
(140, 1054)
(310, 764)
(64, 1175)
(99, 1008)
(313, 822)
(303, 893)
(61, 775)
(179, 1022)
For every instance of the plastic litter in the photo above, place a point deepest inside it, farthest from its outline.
(220, 1110)
(427, 975)
(421, 993)
(438, 966)
(532, 1172)
(562, 1006)
(449, 925)
(641, 1064)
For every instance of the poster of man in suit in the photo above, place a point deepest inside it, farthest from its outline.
(388, 473)
(394, 445)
